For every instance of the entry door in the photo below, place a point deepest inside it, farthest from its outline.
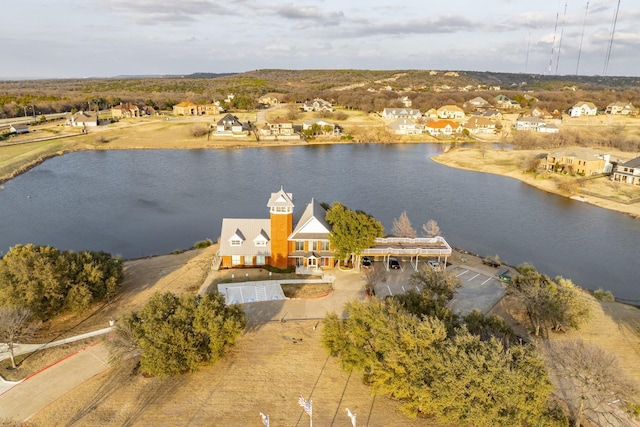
(312, 262)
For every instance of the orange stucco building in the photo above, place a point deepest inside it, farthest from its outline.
(276, 242)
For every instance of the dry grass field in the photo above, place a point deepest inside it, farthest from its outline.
(267, 370)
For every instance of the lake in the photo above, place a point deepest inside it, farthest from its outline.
(140, 203)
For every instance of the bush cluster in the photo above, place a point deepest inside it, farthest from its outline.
(49, 281)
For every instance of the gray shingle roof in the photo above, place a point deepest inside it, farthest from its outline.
(248, 229)
(312, 225)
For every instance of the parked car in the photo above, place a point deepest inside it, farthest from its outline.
(394, 264)
(366, 262)
(433, 264)
(504, 276)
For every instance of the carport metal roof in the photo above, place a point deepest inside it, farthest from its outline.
(399, 246)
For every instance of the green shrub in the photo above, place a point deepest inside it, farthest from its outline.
(603, 295)
(203, 244)
(279, 270)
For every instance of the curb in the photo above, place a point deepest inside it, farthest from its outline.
(61, 360)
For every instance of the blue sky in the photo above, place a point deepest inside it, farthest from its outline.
(88, 38)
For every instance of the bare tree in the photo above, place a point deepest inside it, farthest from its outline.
(373, 276)
(431, 228)
(402, 227)
(15, 326)
(123, 344)
(594, 382)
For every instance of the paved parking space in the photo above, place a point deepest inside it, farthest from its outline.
(479, 289)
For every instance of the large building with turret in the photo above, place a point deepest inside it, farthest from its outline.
(279, 241)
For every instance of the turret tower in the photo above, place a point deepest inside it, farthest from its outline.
(281, 215)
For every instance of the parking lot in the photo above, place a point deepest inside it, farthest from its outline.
(480, 288)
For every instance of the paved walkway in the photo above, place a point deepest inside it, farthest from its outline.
(33, 394)
(19, 349)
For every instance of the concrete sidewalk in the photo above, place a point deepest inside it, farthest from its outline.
(33, 394)
(19, 349)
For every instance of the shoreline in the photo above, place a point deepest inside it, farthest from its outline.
(450, 159)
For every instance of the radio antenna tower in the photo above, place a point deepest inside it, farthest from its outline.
(613, 31)
(553, 42)
(584, 23)
(561, 34)
(526, 61)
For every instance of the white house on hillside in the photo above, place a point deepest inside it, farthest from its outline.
(401, 113)
(583, 109)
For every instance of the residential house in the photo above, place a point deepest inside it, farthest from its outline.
(503, 102)
(406, 102)
(583, 109)
(187, 108)
(317, 105)
(18, 128)
(401, 113)
(278, 241)
(443, 128)
(269, 101)
(324, 127)
(477, 103)
(229, 125)
(148, 110)
(431, 113)
(480, 125)
(577, 160)
(405, 127)
(277, 128)
(125, 110)
(209, 109)
(541, 113)
(628, 172)
(621, 108)
(535, 124)
(548, 128)
(489, 114)
(82, 119)
(450, 112)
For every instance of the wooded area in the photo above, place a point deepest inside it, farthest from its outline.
(366, 90)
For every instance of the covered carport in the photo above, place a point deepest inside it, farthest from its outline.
(417, 249)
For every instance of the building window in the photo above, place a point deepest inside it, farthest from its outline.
(314, 246)
(236, 259)
(325, 246)
(248, 260)
(236, 242)
(261, 243)
(260, 260)
(299, 246)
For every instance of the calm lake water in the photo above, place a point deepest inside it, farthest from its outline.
(139, 203)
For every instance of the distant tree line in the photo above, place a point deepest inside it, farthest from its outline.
(48, 281)
(347, 88)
